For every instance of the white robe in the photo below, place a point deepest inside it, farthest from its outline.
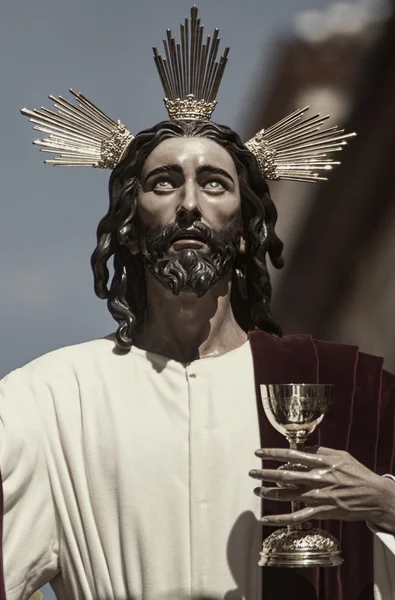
(125, 476)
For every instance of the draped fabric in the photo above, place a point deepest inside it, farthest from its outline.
(2, 588)
(360, 421)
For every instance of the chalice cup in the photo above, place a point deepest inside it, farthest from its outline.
(296, 410)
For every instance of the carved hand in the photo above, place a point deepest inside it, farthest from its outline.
(336, 487)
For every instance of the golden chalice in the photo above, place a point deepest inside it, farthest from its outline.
(296, 410)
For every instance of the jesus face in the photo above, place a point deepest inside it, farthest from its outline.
(189, 211)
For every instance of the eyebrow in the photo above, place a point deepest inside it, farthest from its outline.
(163, 169)
(214, 170)
(199, 171)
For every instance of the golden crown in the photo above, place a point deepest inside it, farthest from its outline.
(190, 73)
(82, 135)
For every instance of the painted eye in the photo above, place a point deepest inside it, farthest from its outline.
(163, 184)
(214, 185)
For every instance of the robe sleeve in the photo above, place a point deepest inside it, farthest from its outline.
(30, 546)
(384, 566)
(384, 561)
(388, 539)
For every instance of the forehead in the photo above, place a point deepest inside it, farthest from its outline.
(189, 152)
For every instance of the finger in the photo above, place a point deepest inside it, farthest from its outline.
(312, 449)
(294, 456)
(300, 516)
(294, 477)
(288, 495)
(322, 450)
(281, 494)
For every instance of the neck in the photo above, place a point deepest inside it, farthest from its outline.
(185, 327)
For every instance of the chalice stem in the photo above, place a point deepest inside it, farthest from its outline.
(296, 444)
(295, 506)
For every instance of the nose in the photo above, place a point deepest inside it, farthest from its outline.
(189, 209)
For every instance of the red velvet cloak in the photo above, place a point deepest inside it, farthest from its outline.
(361, 420)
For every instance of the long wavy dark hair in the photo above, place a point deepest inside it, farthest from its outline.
(251, 289)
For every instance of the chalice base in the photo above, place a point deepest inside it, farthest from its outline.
(294, 548)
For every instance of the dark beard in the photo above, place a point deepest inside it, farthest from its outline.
(189, 269)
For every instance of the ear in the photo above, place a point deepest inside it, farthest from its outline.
(130, 239)
(242, 245)
(133, 247)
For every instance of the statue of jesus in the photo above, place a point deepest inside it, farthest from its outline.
(131, 465)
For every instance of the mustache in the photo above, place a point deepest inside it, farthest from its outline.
(159, 241)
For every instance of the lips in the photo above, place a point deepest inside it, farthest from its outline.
(188, 234)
